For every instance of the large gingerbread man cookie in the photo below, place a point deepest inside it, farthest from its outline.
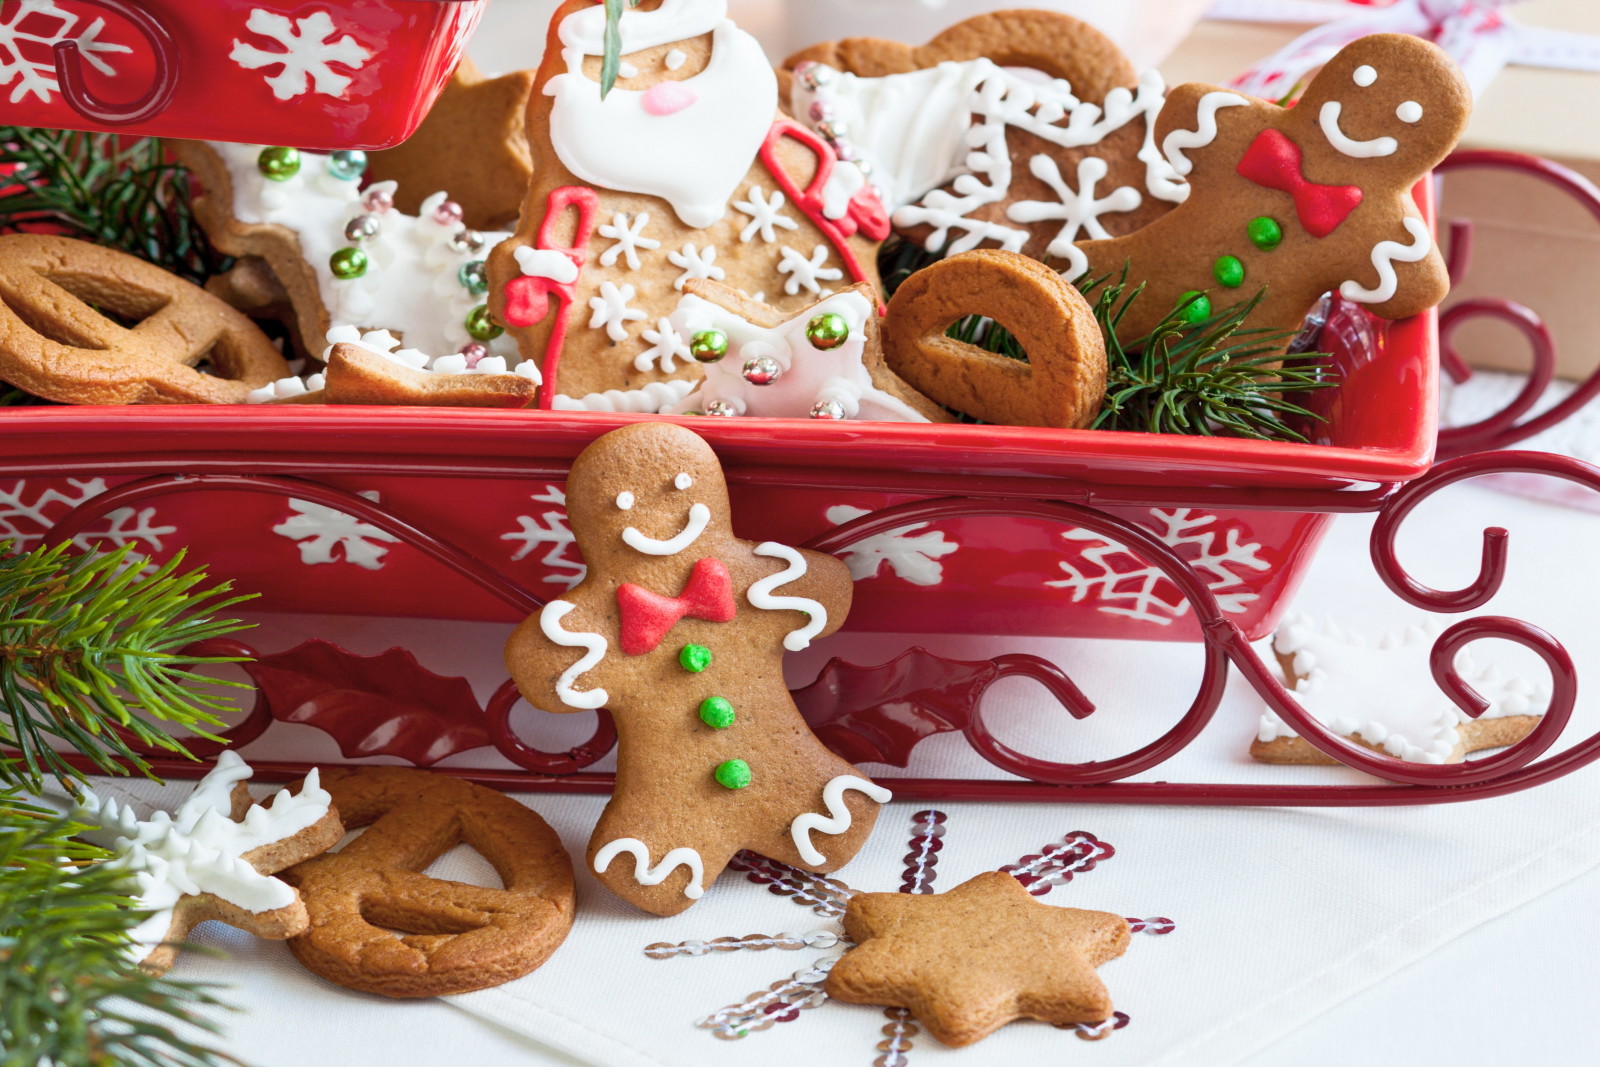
(1305, 199)
(680, 629)
(686, 169)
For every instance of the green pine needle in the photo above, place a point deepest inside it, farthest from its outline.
(115, 191)
(69, 994)
(89, 642)
(611, 61)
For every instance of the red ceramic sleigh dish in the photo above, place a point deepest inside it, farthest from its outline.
(332, 74)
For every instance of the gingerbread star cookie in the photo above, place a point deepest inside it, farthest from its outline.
(213, 858)
(472, 143)
(971, 960)
(1380, 694)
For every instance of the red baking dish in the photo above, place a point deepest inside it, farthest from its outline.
(334, 74)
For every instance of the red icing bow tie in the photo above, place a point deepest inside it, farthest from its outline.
(648, 617)
(1272, 160)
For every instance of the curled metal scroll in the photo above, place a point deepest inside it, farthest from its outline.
(152, 102)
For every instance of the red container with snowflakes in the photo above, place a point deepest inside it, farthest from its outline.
(330, 75)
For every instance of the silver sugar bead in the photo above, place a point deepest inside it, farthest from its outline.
(827, 409)
(361, 227)
(761, 370)
(466, 242)
(833, 130)
(720, 407)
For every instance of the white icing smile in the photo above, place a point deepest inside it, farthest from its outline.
(699, 516)
(1328, 119)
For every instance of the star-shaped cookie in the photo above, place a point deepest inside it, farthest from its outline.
(967, 962)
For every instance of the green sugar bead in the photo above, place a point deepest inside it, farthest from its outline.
(278, 164)
(1265, 233)
(1228, 271)
(474, 277)
(694, 658)
(734, 774)
(708, 346)
(716, 712)
(348, 263)
(827, 331)
(481, 325)
(1196, 312)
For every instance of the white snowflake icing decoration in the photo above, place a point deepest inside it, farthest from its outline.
(323, 534)
(29, 32)
(911, 555)
(764, 215)
(25, 524)
(308, 49)
(1077, 211)
(666, 345)
(550, 528)
(611, 310)
(806, 273)
(696, 263)
(1127, 585)
(630, 238)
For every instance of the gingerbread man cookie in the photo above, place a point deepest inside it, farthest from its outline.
(1305, 199)
(679, 629)
(686, 169)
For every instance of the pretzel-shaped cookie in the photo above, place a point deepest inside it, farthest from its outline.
(457, 937)
(59, 340)
(1063, 381)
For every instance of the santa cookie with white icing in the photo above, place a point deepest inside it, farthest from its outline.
(679, 630)
(685, 169)
(1305, 199)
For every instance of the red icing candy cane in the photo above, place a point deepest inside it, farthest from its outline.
(528, 297)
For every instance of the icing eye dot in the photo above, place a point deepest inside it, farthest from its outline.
(683, 481)
(676, 58)
(1364, 76)
(624, 500)
(1410, 111)
(627, 70)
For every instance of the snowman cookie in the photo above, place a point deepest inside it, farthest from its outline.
(1305, 199)
(686, 169)
(679, 630)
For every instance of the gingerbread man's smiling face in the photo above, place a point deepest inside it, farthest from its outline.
(633, 503)
(1389, 101)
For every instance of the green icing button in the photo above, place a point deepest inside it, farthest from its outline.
(716, 712)
(694, 658)
(1228, 271)
(1265, 233)
(1196, 312)
(734, 774)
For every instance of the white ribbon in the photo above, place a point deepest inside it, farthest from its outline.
(1478, 34)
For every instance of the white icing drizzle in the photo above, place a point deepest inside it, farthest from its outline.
(546, 263)
(630, 238)
(693, 527)
(199, 848)
(682, 481)
(1383, 692)
(646, 400)
(594, 646)
(808, 375)
(764, 214)
(625, 500)
(837, 821)
(1080, 210)
(666, 345)
(1328, 119)
(696, 263)
(806, 273)
(760, 595)
(1177, 142)
(612, 311)
(644, 874)
(1384, 256)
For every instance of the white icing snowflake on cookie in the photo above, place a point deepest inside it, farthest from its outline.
(666, 344)
(696, 263)
(1077, 211)
(611, 310)
(764, 215)
(806, 273)
(630, 238)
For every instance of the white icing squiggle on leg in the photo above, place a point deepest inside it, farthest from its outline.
(760, 595)
(595, 651)
(1384, 256)
(645, 874)
(1205, 131)
(837, 821)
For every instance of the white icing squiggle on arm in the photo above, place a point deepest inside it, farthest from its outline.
(837, 821)
(594, 651)
(1384, 256)
(699, 516)
(1205, 131)
(1328, 119)
(760, 595)
(644, 874)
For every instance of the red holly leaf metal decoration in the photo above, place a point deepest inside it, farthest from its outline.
(879, 714)
(384, 705)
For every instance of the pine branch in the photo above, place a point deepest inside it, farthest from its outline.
(120, 192)
(69, 991)
(90, 645)
(611, 61)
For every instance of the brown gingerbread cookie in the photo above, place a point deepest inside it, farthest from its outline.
(454, 937)
(971, 960)
(359, 375)
(679, 629)
(686, 169)
(472, 143)
(970, 152)
(1305, 199)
